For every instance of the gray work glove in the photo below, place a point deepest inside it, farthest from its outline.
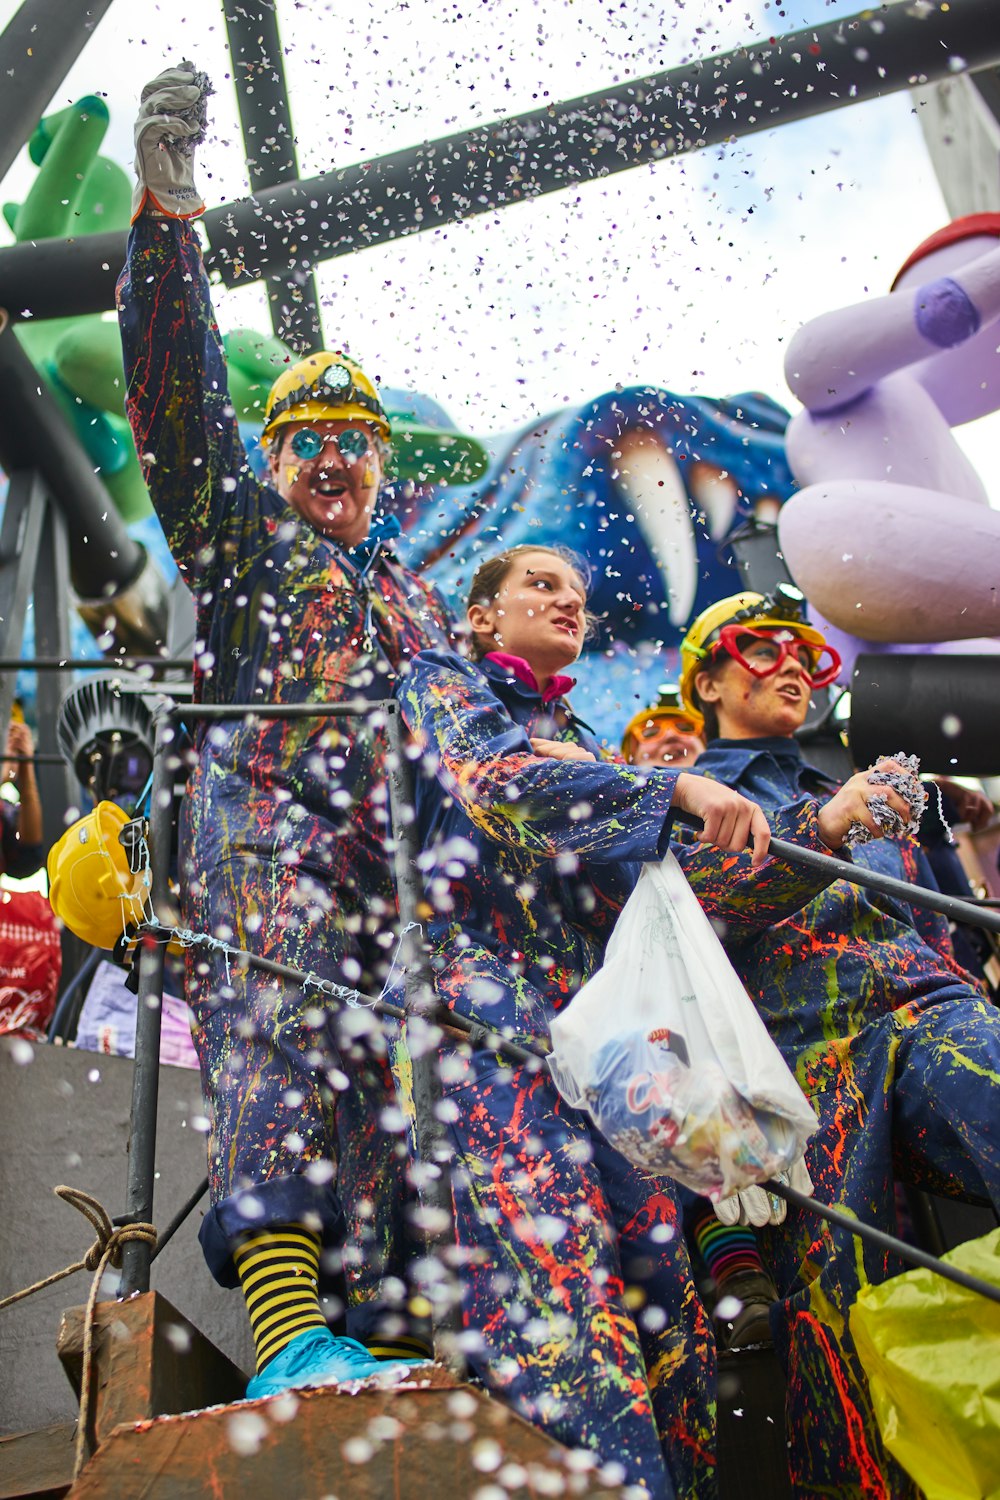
(171, 122)
(756, 1206)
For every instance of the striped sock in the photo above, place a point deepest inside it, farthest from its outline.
(398, 1348)
(727, 1249)
(279, 1273)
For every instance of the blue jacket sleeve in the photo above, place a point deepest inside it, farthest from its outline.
(744, 902)
(547, 807)
(177, 399)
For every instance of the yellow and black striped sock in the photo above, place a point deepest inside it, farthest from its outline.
(398, 1348)
(279, 1273)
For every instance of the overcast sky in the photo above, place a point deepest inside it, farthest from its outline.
(690, 274)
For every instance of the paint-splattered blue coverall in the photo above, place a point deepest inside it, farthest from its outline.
(533, 859)
(281, 833)
(899, 1055)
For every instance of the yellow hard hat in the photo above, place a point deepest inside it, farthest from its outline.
(667, 706)
(327, 386)
(91, 888)
(785, 607)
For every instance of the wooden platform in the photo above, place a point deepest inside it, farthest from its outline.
(428, 1439)
(168, 1424)
(38, 1464)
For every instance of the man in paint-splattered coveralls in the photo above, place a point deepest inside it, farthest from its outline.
(281, 838)
(578, 1295)
(897, 1051)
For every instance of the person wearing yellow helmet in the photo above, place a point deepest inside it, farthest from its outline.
(282, 836)
(327, 437)
(759, 632)
(896, 1048)
(665, 734)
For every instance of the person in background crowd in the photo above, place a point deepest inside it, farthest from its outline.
(895, 1047)
(959, 804)
(20, 822)
(30, 949)
(299, 601)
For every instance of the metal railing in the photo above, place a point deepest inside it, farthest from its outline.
(420, 1002)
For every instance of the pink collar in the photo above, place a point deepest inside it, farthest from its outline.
(558, 686)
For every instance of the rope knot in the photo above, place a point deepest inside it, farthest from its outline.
(106, 1250)
(111, 1238)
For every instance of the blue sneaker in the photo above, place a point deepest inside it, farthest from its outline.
(316, 1357)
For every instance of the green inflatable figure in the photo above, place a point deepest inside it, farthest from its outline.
(78, 191)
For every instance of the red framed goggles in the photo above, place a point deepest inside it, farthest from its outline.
(819, 663)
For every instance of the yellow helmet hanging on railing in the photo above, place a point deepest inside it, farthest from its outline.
(91, 887)
(327, 386)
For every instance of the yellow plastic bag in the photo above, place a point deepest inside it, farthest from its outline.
(931, 1350)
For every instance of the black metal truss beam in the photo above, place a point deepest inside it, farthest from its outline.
(703, 103)
(39, 45)
(269, 143)
(34, 434)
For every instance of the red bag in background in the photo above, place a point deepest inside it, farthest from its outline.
(30, 964)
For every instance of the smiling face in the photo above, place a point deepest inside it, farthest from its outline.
(749, 707)
(538, 613)
(334, 493)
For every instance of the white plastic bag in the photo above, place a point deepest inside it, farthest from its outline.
(665, 1050)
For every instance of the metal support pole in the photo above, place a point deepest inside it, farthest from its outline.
(423, 1041)
(34, 434)
(39, 45)
(57, 787)
(166, 1235)
(269, 143)
(20, 536)
(136, 1256)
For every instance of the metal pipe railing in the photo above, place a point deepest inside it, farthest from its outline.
(953, 907)
(421, 1005)
(136, 1254)
(478, 1034)
(91, 663)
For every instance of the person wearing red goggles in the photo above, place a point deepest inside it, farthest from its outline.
(895, 1048)
(764, 651)
(769, 637)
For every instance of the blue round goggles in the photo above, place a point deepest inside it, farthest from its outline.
(353, 443)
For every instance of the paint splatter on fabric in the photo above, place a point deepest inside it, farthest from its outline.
(900, 1056)
(282, 830)
(577, 1281)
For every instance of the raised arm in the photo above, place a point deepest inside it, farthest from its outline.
(177, 399)
(835, 358)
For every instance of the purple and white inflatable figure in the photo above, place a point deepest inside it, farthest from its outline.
(891, 535)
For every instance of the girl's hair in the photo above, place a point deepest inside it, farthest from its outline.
(491, 575)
